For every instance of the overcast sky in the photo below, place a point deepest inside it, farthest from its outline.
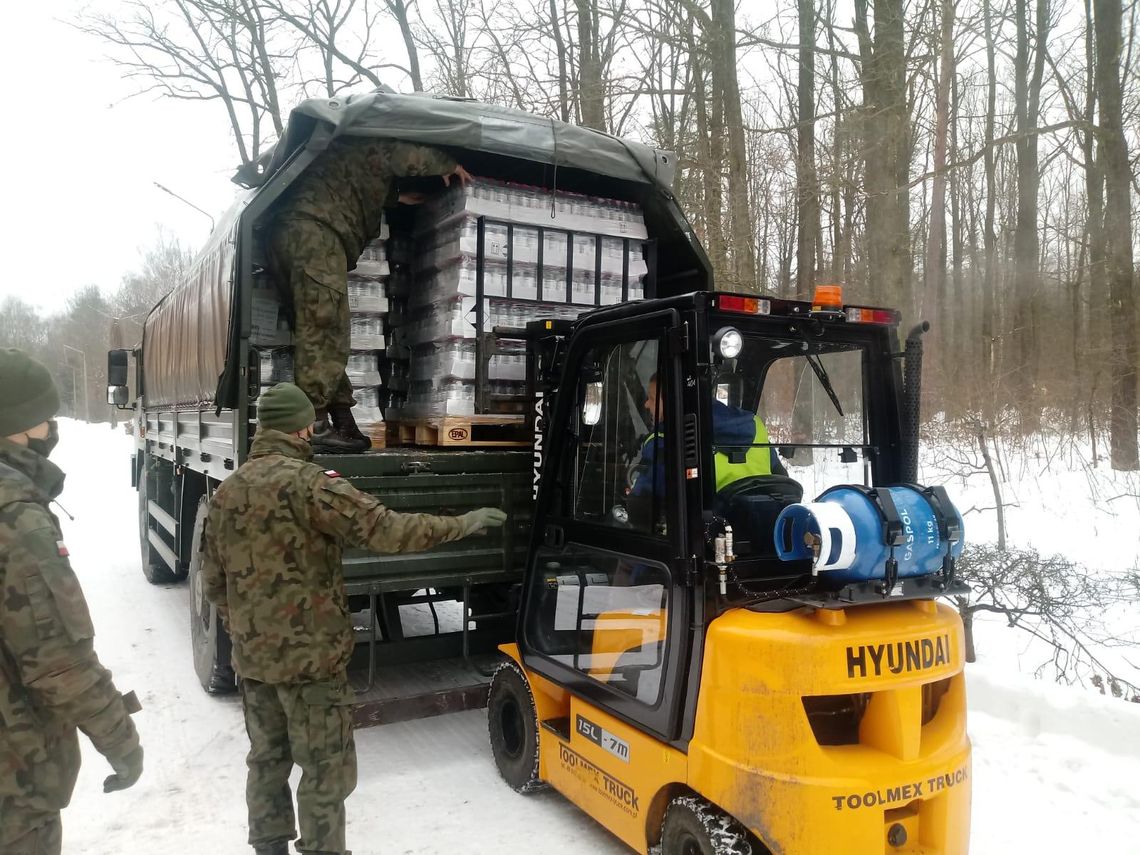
(79, 161)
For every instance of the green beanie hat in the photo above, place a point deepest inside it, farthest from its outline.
(28, 396)
(285, 408)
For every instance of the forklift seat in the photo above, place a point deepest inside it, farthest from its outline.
(751, 506)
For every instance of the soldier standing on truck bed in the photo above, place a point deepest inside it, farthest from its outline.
(51, 682)
(272, 565)
(319, 230)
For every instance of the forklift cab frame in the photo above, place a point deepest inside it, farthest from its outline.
(596, 575)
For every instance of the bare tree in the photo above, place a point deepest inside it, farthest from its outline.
(935, 267)
(886, 147)
(1027, 101)
(341, 35)
(21, 326)
(203, 50)
(451, 48)
(807, 177)
(399, 10)
(1052, 599)
(1113, 148)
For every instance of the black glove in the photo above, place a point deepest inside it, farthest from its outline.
(127, 771)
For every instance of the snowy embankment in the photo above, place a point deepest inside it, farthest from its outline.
(1055, 769)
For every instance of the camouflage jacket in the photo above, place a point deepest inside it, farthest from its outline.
(272, 559)
(348, 186)
(51, 681)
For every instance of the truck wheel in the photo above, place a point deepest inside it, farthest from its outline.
(512, 724)
(692, 826)
(153, 567)
(209, 639)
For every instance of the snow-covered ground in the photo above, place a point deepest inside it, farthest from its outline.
(1055, 769)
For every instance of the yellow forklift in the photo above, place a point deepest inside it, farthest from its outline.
(705, 662)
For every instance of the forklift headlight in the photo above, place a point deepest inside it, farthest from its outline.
(728, 342)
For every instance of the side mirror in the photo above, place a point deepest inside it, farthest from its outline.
(118, 367)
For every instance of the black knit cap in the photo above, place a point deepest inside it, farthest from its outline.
(28, 396)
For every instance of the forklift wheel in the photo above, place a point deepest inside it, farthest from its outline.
(694, 827)
(512, 723)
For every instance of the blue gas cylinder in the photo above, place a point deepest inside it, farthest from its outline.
(845, 526)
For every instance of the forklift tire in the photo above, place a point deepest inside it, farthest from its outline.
(208, 638)
(153, 567)
(512, 724)
(692, 826)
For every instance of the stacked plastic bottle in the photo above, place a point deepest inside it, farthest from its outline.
(432, 323)
(368, 304)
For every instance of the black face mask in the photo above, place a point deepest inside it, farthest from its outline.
(43, 447)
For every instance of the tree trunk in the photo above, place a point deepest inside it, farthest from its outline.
(807, 179)
(591, 93)
(563, 75)
(967, 614)
(935, 291)
(1096, 315)
(1026, 246)
(1118, 236)
(958, 349)
(840, 133)
(886, 151)
(989, 236)
(723, 58)
(399, 11)
(709, 148)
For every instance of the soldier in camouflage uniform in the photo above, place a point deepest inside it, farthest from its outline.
(272, 565)
(319, 230)
(51, 682)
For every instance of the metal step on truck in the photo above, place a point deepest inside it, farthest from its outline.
(428, 623)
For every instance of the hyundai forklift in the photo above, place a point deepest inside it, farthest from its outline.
(704, 661)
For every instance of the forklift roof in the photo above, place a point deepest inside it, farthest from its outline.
(460, 123)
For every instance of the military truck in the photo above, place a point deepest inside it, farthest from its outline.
(196, 378)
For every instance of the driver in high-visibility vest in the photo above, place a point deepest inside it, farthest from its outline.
(732, 426)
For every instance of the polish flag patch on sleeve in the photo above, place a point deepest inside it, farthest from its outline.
(332, 473)
(62, 547)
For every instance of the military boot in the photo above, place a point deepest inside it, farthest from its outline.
(327, 440)
(345, 425)
(277, 847)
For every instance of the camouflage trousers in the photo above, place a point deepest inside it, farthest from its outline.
(309, 724)
(46, 839)
(309, 258)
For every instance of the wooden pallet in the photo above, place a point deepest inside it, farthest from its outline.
(378, 433)
(460, 432)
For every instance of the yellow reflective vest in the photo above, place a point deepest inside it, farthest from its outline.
(757, 461)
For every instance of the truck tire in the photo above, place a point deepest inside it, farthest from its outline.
(692, 826)
(208, 638)
(153, 567)
(512, 724)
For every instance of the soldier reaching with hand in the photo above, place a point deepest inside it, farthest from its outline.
(319, 229)
(51, 682)
(272, 565)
